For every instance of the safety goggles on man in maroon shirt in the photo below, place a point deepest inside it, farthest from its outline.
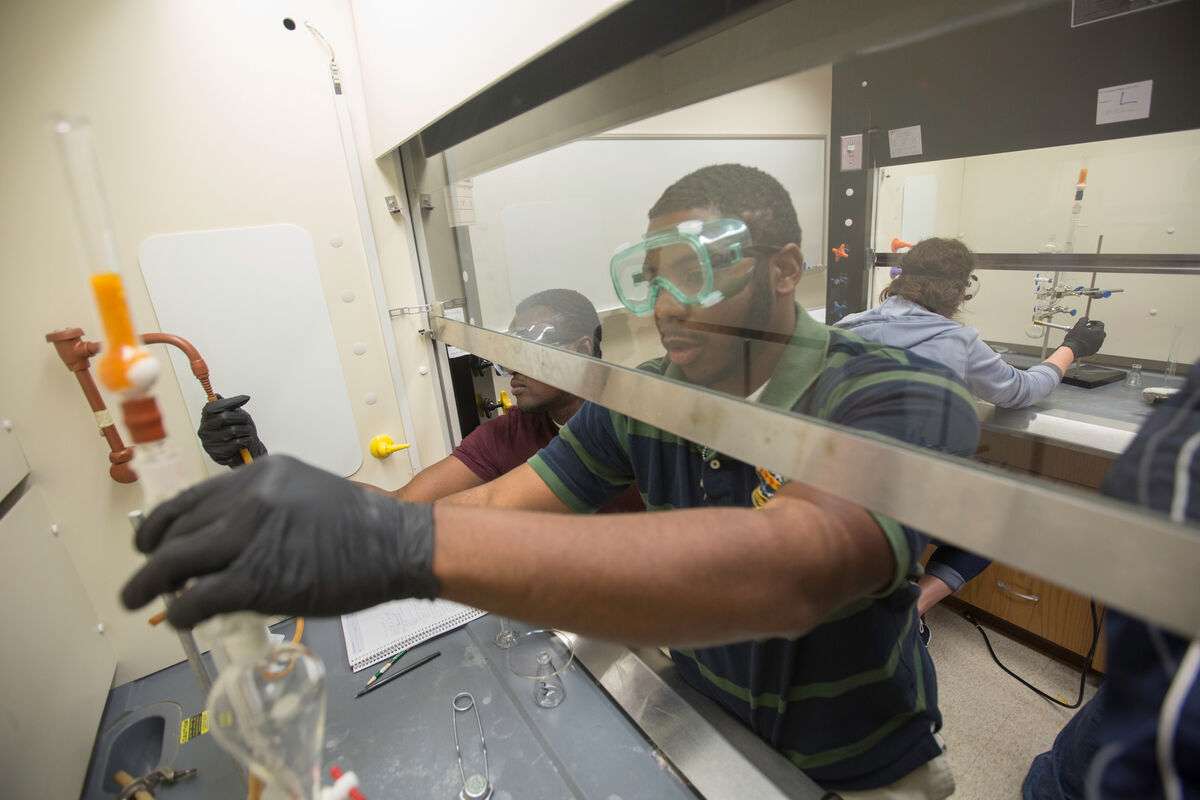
(540, 332)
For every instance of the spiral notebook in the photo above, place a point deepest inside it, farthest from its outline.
(384, 630)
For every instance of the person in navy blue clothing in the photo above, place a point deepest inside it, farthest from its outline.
(1139, 735)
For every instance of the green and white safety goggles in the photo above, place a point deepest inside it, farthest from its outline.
(540, 332)
(695, 261)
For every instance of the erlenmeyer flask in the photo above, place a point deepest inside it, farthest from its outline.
(1133, 380)
(548, 689)
(541, 656)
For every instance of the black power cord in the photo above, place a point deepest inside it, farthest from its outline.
(1087, 662)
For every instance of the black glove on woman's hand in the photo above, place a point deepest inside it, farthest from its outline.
(281, 537)
(1085, 338)
(226, 429)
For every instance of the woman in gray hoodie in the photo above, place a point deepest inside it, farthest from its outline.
(917, 313)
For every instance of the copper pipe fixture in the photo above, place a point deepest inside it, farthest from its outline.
(76, 354)
(199, 368)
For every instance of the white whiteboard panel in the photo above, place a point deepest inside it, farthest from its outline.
(920, 208)
(553, 220)
(251, 301)
(533, 256)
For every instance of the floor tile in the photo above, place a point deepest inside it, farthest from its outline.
(992, 724)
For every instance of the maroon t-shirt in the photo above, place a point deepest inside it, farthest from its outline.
(508, 441)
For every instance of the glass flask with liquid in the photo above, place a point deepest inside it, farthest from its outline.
(267, 705)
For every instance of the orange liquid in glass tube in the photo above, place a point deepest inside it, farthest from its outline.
(122, 346)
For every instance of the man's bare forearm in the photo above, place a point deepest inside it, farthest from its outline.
(682, 577)
(933, 591)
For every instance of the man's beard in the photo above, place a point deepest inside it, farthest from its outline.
(759, 310)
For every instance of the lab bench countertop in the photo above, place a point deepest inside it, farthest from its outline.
(628, 728)
(1102, 420)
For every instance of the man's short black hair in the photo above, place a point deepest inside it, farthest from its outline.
(735, 190)
(574, 314)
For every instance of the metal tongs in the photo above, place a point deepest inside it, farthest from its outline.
(151, 780)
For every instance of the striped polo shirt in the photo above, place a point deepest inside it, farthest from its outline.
(854, 701)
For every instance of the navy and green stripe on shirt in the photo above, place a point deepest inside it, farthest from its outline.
(853, 702)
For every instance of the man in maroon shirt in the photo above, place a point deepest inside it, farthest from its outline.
(559, 317)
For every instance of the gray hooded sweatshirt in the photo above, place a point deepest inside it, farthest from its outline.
(901, 323)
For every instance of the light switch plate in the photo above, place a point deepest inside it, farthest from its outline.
(852, 152)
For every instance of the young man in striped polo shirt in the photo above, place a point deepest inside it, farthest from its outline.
(799, 615)
(853, 700)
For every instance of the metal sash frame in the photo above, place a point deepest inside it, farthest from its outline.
(1158, 264)
(1128, 557)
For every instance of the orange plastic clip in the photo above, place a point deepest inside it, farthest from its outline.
(897, 244)
(840, 252)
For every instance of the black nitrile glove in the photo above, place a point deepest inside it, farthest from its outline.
(226, 429)
(281, 537)
(1085, 338)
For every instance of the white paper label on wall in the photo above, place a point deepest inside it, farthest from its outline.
(252, 301)
(903, 142)
(460, 199)
(459, 315)
(1127, 101)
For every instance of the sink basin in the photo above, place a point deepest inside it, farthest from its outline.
(137, 742)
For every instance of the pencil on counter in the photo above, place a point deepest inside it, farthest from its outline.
(398, 673)
(385, 667)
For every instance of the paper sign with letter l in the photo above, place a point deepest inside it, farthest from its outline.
(1127, 101)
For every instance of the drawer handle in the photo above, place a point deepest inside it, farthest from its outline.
(1033, 598)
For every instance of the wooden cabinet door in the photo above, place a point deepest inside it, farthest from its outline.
(1035, 605)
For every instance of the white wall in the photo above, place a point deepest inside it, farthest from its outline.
(1143, 196)
(206, 115)
(422, 59)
